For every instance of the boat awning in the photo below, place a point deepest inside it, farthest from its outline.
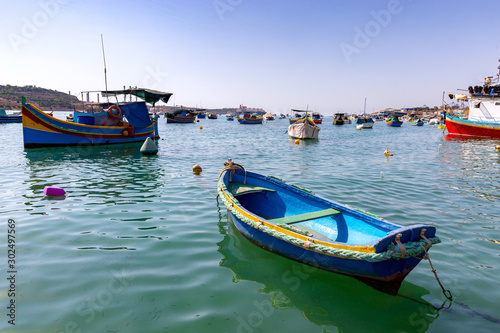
(148, 95)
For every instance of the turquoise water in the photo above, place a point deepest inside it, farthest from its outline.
(140, 244)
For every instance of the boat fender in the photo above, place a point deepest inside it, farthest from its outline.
(116, 115)
(125, 132)
(401, 246)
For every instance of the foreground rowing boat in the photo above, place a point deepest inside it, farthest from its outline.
(295, 223)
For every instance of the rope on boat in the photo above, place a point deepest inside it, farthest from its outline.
(393, 251)
(230, 165)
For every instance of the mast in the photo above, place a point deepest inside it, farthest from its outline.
(364, 112)
(105, 76)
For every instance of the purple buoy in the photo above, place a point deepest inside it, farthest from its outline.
(53, 191)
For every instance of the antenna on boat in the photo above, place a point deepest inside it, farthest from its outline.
(105, 76)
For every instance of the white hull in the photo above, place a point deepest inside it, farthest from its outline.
(303, 131)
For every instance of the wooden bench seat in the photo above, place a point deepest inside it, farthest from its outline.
(239, 188)
(306, 216)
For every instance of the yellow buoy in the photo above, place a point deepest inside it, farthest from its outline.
(387, 152)
(297, 141)
(497, 147)
(197, 169)
(201, 127)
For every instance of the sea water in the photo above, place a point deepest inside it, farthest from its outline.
(141, 244)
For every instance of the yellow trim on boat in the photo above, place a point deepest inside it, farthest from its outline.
(364, 249)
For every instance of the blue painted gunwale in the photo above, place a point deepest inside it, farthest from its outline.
(58, 132)
(391, 271)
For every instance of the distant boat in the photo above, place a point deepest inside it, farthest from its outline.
(316, 118)
(416, 122)
(293, 222)
(483, 116)
(250, 119)
(10, 118)
(339, 119)
(393, 121)
(230, 116)
(268, 116)
(282, 116)
(363, 122)
(303, 128)
(201, 115)
(100, 124)
(212, 115)
(181, 116)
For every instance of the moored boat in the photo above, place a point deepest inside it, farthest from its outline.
(230, 116)
(212, 115)
(181, 116)
(250, 119)
(393, 121)
(268, 116)
(316, 118)
(338, 119)
(98, 124)
(483, 115)
(416, 122)
(299, 225)
(10, 118)
(303, 127)
(364, 122)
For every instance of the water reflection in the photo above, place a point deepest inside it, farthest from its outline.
(323, 298)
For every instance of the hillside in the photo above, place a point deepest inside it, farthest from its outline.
(10, 98)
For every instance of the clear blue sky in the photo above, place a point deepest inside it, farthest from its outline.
(277, 55)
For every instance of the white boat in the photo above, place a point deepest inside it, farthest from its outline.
(303, 128)
(364, 121)
(268, 116)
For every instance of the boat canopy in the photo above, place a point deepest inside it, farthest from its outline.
(150, 96)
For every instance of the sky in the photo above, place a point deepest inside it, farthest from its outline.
(324, 55)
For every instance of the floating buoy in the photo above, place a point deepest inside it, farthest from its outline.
(442, 126)
(197, 169)
(297, 141)
(149, 147)
(53, 191)
(387, 152)
(381, 174)
(201, 127)
(197, 120)
(497, 148)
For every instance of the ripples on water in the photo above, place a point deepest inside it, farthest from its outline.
(140, 243)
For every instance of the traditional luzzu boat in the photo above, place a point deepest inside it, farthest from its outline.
(99, 124)
(483, 117)
(10, 118)
(295, 223)
(182, 116)
(339, 119)
(416, 122)
(316, 118)
(250, 119)
(393, 121)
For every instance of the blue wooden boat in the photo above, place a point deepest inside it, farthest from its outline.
(105, 123)
(9, 118)
(416, 122)
(250, 119)
(295, 223)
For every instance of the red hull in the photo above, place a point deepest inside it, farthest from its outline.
(471, 128)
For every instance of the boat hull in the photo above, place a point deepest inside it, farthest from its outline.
(10, 119)
(255, 214)
(464, 127)
(181, 120)
(43, 130)
(303, 131)
(394, 123)
(250, 121)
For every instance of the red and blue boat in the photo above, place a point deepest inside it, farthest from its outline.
(250, 119)
(293, 222)
(9, 118)
(97, 124)
(394, 121)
